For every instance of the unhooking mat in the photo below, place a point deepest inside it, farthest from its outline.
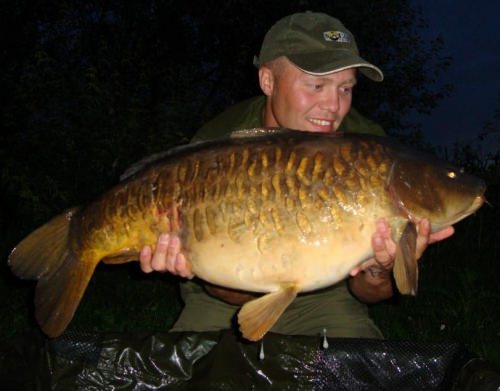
(221, 361)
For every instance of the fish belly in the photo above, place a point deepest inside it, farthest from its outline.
(261, 264)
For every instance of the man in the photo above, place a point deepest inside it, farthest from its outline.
(307, 71)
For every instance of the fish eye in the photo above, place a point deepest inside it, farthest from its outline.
(451, 174)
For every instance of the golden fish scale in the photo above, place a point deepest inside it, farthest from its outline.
(276, 195)
(247, 195)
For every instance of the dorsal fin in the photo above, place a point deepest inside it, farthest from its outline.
(151, 159)
(258, 132)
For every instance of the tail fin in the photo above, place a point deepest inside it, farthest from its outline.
(46, 256)
(57, 295)
(41, 252)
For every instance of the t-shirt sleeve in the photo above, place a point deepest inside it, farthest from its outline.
(244, 115)
(355, 122)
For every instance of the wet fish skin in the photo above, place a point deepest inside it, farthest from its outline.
(281, 212)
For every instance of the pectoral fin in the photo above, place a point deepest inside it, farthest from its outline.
(258, 316)
(406, 266)
(121, 257)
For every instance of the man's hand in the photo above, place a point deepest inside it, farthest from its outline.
(166, 258)
(384, 247)
(375, 285)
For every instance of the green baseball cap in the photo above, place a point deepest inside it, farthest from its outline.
(316, 43)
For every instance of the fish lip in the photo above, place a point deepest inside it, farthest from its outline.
(474, 206)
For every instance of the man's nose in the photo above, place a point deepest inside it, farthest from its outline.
(330, 101)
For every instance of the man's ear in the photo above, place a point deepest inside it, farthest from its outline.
(266, 80)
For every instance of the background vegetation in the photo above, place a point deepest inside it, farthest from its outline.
(89, 87)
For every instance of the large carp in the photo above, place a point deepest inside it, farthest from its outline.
(279, 212)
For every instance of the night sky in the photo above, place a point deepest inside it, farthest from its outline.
(471, 34)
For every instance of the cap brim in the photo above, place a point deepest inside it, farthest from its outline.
(324, 63)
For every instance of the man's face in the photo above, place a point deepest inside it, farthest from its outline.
(297, 100)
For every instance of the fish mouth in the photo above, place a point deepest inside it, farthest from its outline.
(475, 205)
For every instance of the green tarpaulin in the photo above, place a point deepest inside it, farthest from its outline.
(221, 361)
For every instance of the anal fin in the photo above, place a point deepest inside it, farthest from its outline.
(258, 316)
(405, 265)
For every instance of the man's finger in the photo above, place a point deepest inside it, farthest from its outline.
(173, 249)
(442, 234)
(354, 272)
(145, 259)
(183, 267)
(384, 248)
(159, 261)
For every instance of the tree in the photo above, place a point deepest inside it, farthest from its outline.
(491, 135)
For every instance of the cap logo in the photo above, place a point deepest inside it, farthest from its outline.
(336, 36)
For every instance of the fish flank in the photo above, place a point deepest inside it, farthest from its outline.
(292, 187)
(211, 217)
(302, 171)
(183, 172)
(317, 167)
(278, 221)
(265, 190)
(232, 163)
(198, 223)
(303, 223)
(290, 165)
(277, 186)
(304, 196)
(264, 161)
(339, 167)
(252, 170)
